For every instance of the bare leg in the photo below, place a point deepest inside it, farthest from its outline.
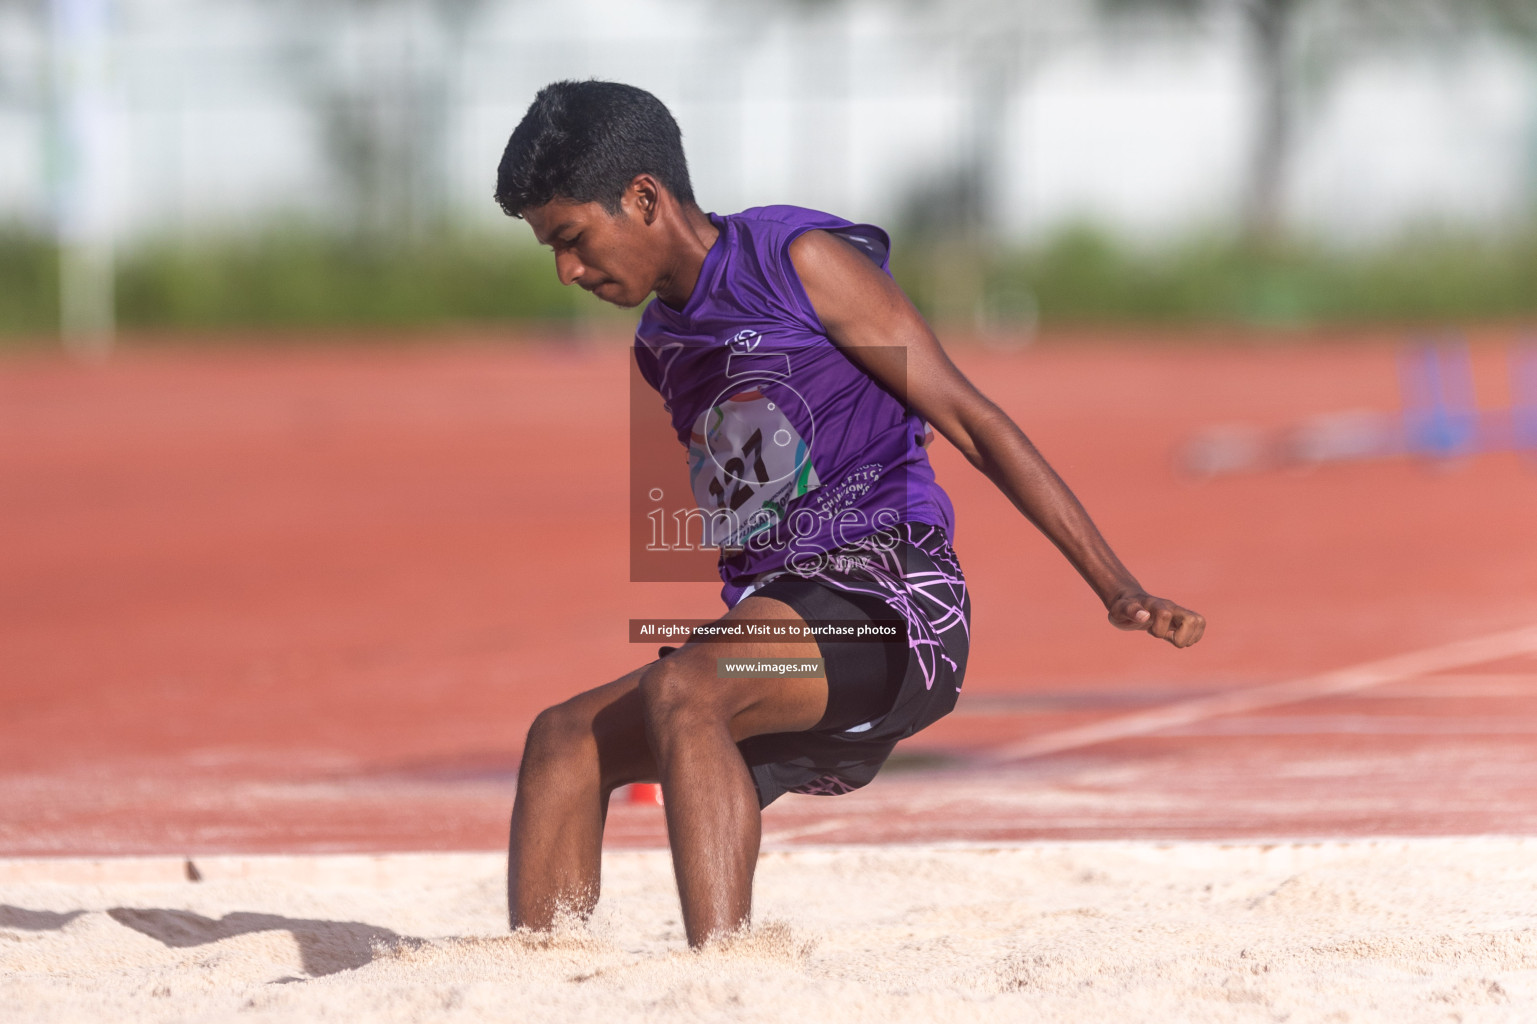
(576, 754)
(694, 721)
(580, 751)
(713, 822)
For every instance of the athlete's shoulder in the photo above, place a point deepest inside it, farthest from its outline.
(782, 225)
(788, 216)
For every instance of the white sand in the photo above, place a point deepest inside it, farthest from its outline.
(1400, 931)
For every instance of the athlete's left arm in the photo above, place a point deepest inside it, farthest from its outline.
(868, 316)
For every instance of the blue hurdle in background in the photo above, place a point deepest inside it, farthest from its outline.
(1523, 397)
(1441, 418)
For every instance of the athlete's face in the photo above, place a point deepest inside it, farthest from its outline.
(608, 254)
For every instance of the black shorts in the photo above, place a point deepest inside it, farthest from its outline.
(877, 692)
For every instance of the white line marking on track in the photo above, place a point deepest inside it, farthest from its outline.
(801, 831)
(1284, 724)
(1358, 677)
(1473, 684)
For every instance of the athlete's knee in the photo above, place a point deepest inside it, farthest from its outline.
(675, 700)
(558, 734)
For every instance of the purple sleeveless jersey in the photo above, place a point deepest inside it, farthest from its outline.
(794, 450)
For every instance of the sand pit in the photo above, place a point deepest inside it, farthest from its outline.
(1386, 930)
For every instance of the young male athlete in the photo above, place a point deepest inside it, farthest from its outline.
(801, 379)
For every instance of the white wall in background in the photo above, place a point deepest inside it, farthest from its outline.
(854, 110)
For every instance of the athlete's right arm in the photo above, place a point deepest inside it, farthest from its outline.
(867, 315)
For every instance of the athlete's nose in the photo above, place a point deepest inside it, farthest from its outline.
(568, 268)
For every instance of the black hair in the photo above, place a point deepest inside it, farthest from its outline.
(586, 141)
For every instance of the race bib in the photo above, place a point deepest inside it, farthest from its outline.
(746, 463)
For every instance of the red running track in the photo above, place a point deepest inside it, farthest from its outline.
(273, 599)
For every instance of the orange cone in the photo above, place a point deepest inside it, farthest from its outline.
(645, 793)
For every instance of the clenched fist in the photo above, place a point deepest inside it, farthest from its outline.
(1163, 619)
